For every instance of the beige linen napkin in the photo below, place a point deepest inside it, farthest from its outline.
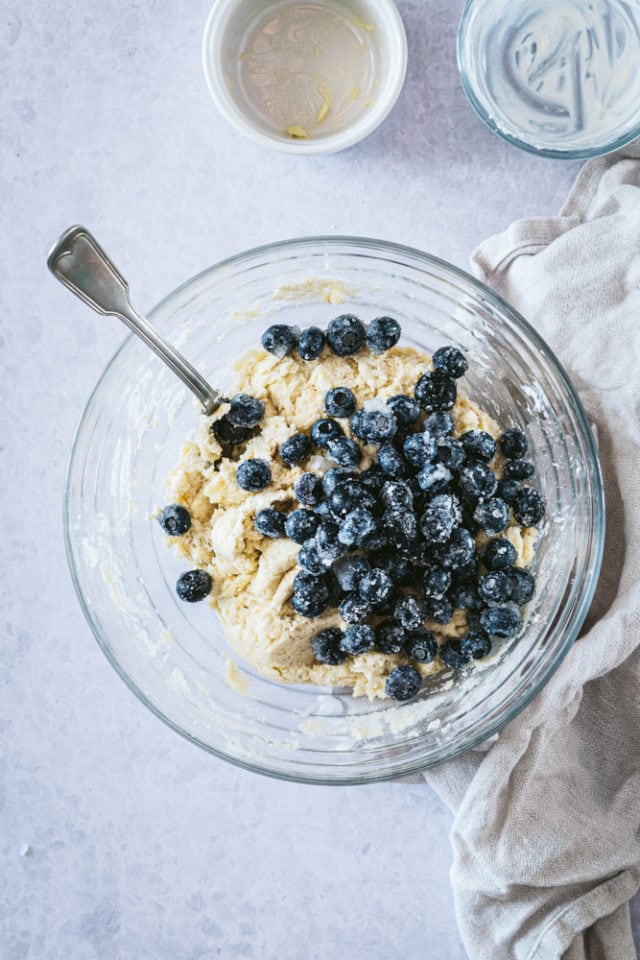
(545, 834)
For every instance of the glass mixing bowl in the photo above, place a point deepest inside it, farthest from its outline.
(174, 656)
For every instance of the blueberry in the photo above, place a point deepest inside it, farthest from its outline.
(229, 434)
(346, 335)
(390, 461)
(270, 523)
(398, 568)
(327, 544)
(513, 443)
(357, 525)
(436, 582)
(495, 587)
(452, 655)
(332, 478)
(507, 490)
(309, 558)
(340, 402)
(326, 647)
(358, 639)
(403, 683)
(323, 510)
(253, 475)
(194, 585)
(245, 411)
(280, 340)
(439, 424)
(401, 525)
(406, 409)
(375, 586)
(301, 525)
(349, 570)
(345, 452)
(467, 572)
(175, 520)
(419, 449)
(422, 646)
(501, 620)
(349, 494)
(457, 552)
(439, 610)
(439, 520)
(372, 478)
(435, 391)
(518, 470)
(475, 645)
(493, 515)
(310, 594)
(308, 489)
(434, 477)
(528, 507)
(522, 585)
(464, 596)
(383, 333)
(354, 609)
(375, 422)
(310, 343)
(410, 612)
(499, 554)
(451, 453)
(479, 445)
(324, 430)
(295, 449)
(477, 480)
(390, 638)
(451, 361)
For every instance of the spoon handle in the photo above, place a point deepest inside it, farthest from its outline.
(78, 261)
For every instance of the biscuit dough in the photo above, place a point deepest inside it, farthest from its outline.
(253, 575)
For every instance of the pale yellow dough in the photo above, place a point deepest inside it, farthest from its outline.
(252, 574)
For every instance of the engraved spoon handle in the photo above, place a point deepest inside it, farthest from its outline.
(78, 261)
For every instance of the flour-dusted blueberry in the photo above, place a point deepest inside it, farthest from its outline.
(528, 507)
(492, 515)
(327, 544)
(452, 655)
(410, 612)
(403, 683)
(501, 619)
(406, 409)
(513, 443)
(356, 527)
(467, 572)
(349, 494)
(310, 594)
(295, 449)
(518, 470)
(475, 645)
(270, 523)
(382, 334)
(499, 554)
(349, 570)
(495, 587)
(522, 585)
(345, 452)
(194, 585)
(464, 596)
(434, 477)
(477, 480)
(390, 637)
(346, 335)
(439, 610)
(310, 343)
(507, 490)
(229, 434)
(435, 391)
(358, 639)
(301, 525)
(326, 647)
(451, 452)
(440, 518)
(308, 489)
(340, 402)
(375, 422)
(372, 478)
(399, 568)
(309, 558)
(401, 525)
(439, 424)
(396, 495)
(324, 430)
(419, 449)
(421, 646)
(375, 586)
(390, 461)
(175, 520)
(436, 582)
(245, 411)
(457, 552)
(280, 340)
(451, 361)
(333, 477)
(354, 609)
(253, 475)
(479, 445)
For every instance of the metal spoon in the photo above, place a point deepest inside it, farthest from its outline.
(78, 261)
